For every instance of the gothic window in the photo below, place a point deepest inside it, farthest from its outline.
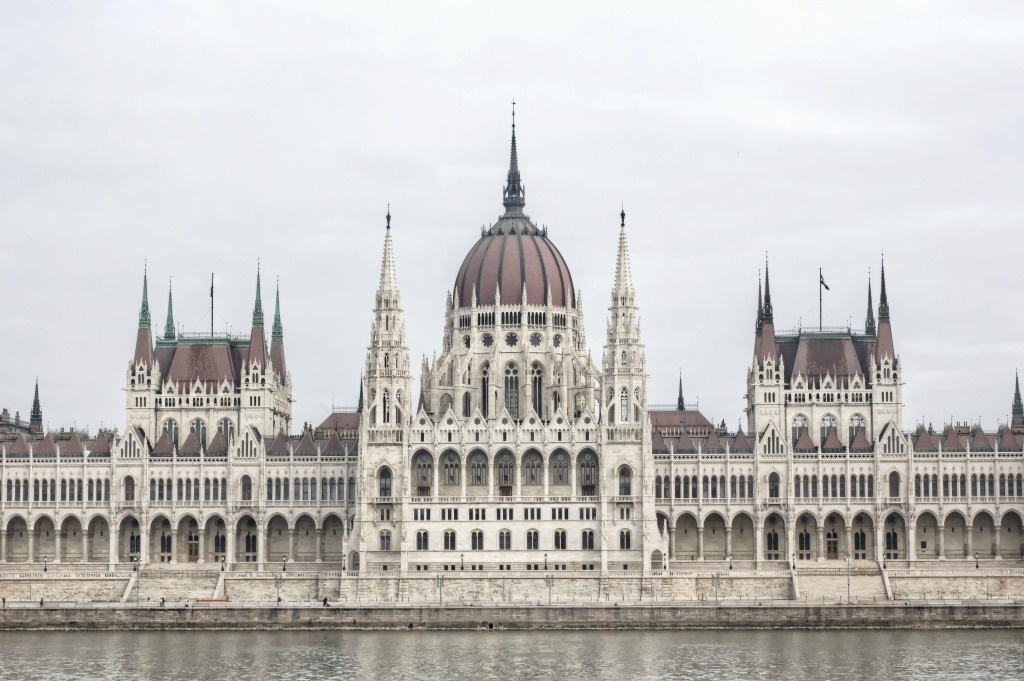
(894, 484)
(636, 404)
(446, 403)
(588, 540)
(246, 488)
(467, 405)
(625, 482)
(678, 485)
(485, 375)
(623, 405)
(657, 487)
(532, 540)
(422, 541)
(385, 540)
(857, 424)
(532, 474)
(171, 428)
(351, 489)
(451, 469)
(560, 540)
(449, 540)
(560, 469)
(624, 539)
(424, 470)
(537, 386)
(478, 469)
(386, 407)
(198, 427)
(129, 488)
(506, 470)
(773, 486)
(917, 485)
(512, 390)
(384, 480)
(706, 488)
(623, 358)
(799, 427)
(505, 540)
(588, 469)
(828, 423)
(477, 540)
(226, 428)
(814, 486)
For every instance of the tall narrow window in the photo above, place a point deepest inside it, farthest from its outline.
(537, 386)
(512, 390)
(623, 405)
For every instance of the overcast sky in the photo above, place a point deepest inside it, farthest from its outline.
(205, 137)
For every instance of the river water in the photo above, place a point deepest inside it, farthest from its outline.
(804, 655)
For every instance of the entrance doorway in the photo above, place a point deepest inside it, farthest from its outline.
(193, 547)
(832, 545)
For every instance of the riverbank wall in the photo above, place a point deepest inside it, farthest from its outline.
(486, 618)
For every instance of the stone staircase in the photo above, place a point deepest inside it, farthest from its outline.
(828, 585)
(175, 587)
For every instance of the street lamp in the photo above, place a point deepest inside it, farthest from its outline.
(794, 561)
(462, 557)
(45, 558)
(975, 561)
(550, 581)
(730, 561)
(439, 580)
(545, 561)
(284, 563)
(222, 562)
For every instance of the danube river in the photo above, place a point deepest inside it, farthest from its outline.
(804, 655)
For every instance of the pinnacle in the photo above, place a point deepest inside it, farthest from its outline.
(278, 333)
(388, 276)
(623, 273)
(169, 326)
(257, 312)
(144, 319)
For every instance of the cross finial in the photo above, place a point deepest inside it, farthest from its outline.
(388, 216)
(513, 113)
(623, 214)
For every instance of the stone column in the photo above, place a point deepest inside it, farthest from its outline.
(849, 540)
(143, 546)
(85, 545)
(879, 539)
(572, 478)
(790, 543)
(261, 548)
(436, 489)
(174, 545)
(202, 546)
(229, 544)
(700, 543)
(942, 542)
(3, 546)
(999, 548)
(911, 542)
(463, 474)
(728, 542)
(821, 543)
(758, 545)
(56, 545)
(319, 545)
(291, 543)
(31, 546)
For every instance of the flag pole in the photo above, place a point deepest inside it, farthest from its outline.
(211, 304)
(820, 279)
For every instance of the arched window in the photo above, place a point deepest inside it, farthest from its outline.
(422, 541)
(424, 474)
(532, 540)
(532, 470)
(198, 426)
(799, 426)
(625, 482)
(129, 488)
(170, 427)
(478, 469)
(484, 386)
(773, 486)
(894, 484)
(588, 540)
(449, 540)
(623, 404)
(477, 540)
(857, 424)
(385, 540)
(624, 539)
(560, 469)
(506, 471)
(705, 488)
(246, 488)
(467, 404)
(678, 487)
(657, 487)
(384, 482)
(226, 428)
(828, 424)
(512, 389)
(351, 490)
(505, 540)
(452, 469)
(537, 386)
(386, 405)
(560, 544)
(588, 474)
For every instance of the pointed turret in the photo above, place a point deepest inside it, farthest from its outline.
(869, 321)
(144, 339)
(359, 406)
(760, 306)
(680, 402)
(35, 424)
(258, 340)
(884, 345)
(169, 326)
(514, 195)
(767, 346)
(277, 338)
(1018, 406)
(623, 293)
(387, 293)
(623, 363)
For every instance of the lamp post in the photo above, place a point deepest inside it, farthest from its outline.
(44, 562)
(284, 563)
(222, 563)
(730, 561)
(849, 559)
(975, 561)
(550, 582)
(137, 567)
(545, 561)
(716, 580)
(439, 580)
(462, 557)
(794, 561)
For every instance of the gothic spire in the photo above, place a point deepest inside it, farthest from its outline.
(388, 277)
(680, 402)
(514, 195)
(760, 305)
(766, 312)
(144, 320)
(278, 333)
(869, 321)
(1018, 409)
(359, 407)
(169, 326)
(257, 311)
(36, 418)
(623, 273)
(883, 299)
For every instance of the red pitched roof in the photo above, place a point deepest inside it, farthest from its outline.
(341, 420)
(101, 446)
(923, 441)
(219, 444)
(950, 441)
(804, 444)
(45, 446)
(713, 444)
(980, 441)
(685, 444)
(860, 442)
(741, 443)
(306, 446)
(678, 418)
(73, 446)
(831, 443)
(334, 446)
(190, 447)
(164, 446)
(19, 446)
(279, 445)
(1007, 441)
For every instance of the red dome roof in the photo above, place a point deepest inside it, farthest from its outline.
(511, 253)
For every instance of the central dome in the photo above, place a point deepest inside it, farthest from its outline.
(514, 254)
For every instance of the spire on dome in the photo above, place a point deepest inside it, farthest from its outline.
(883, 299)
(36, 419)
(257, 311)
(869, 321)
(680, 402)
(278, 333)
(514, 195)
(623, 274)
(169, 326)
(144, 319)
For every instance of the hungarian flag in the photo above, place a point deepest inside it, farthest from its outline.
(820, 276)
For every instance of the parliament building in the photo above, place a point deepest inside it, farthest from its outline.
(517, 451)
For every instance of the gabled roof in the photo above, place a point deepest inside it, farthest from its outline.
(341, 420)
(678, 418)
(164, 446)
(804, 444)
(831, 443)
(1007, 441)
(279, 446)
(659, 445)
(950, 441)
(101, 446)
(980, 441)
(923, 441)
(741, 443)
(191, 446)
(45, 446)
(19, 447)
(334, 446)
(860, 442)
(685, 444)
(219, 444)
(713, 444)
(306, 446)
(73, 447)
